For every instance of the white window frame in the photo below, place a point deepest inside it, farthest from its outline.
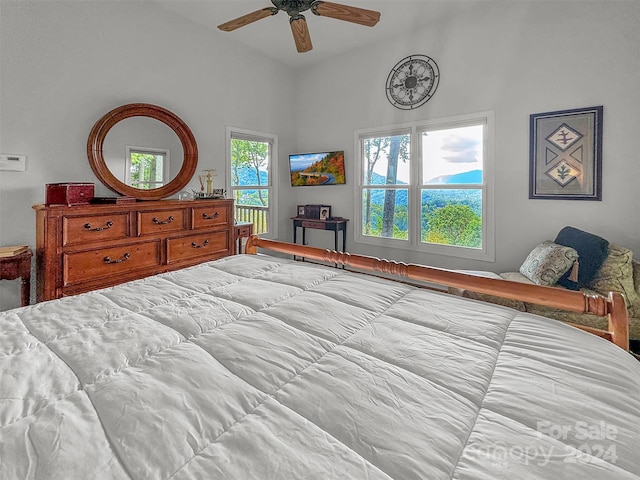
(487, 252)
(272, 187)
(166, 164)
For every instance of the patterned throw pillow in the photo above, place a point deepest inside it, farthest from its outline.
(616, 275)
(548, 262)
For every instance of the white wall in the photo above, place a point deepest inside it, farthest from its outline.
(515, 58)
(65, 64)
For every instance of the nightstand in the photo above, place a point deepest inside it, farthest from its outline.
(241, 230)
(18, 266)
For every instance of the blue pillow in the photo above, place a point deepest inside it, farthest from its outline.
(592, 250)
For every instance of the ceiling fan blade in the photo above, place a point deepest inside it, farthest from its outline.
(247, 19)
(347, 13)
(300, 33)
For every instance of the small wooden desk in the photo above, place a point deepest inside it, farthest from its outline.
(241, 230)
(18, 266)
(335, 225)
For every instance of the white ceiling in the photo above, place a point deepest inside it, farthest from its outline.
(272, 35)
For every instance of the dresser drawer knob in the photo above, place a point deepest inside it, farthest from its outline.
(210, 217)
(203, 244)
(87, 226)
(124, 258)
(163, 222)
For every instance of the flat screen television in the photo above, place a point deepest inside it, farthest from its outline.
(320, 168)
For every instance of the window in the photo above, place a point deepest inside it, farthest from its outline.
(427, 186)
(146, 168)
(251, 168)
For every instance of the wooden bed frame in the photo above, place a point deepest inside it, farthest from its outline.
(612, 307)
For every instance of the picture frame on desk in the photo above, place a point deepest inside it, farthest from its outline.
(301, 211)
(325, 212)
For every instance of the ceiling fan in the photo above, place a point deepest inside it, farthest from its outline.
(297, 21)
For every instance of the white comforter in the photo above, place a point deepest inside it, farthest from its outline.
(253, 367)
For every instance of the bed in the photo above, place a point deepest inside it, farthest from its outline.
(261, 367)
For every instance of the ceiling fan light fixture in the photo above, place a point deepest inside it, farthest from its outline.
(293, 7)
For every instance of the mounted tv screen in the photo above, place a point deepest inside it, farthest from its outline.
(322, 168)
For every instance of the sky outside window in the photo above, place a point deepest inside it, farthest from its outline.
(451, 152)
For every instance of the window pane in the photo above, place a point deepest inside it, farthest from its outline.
(252, 206)
(452, 217)
(385, 212)
(249, 163)
(452, 156)
(386, 160)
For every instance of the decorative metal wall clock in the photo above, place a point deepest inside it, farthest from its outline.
(412, 81)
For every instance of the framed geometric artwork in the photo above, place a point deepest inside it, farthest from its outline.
(565, 157)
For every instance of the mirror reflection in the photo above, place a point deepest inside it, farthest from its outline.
(143, 152)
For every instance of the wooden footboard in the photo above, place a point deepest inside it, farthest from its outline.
(612, 307)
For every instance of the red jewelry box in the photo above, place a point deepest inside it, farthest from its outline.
(73, 193)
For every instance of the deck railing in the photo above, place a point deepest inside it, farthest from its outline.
(254, 214)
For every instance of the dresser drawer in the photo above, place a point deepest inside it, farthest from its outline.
(211, 216)
(317, 225)
(161, 221)
(243, 230)
(94, 228)
(206, 244)
(108, 262)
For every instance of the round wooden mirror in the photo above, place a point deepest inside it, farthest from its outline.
(114, 179)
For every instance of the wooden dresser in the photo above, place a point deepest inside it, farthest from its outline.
(86, 247)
